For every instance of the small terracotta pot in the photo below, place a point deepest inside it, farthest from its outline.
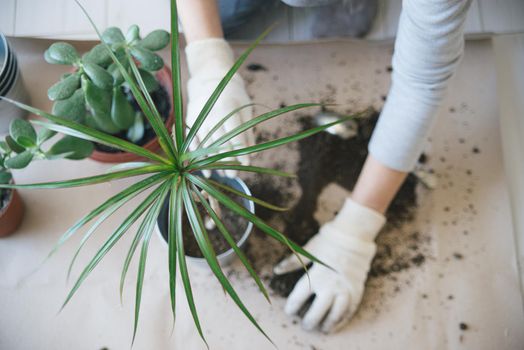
(11, 215)
(164, 78)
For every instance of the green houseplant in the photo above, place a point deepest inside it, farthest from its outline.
(175, 176)
(95, 93)
(19, 148)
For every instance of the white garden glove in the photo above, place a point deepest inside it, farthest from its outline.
(347, 245)
(208, 61)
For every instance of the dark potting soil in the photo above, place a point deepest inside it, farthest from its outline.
(162, 102)
(235, 224)
(4, 198)
(326, 159)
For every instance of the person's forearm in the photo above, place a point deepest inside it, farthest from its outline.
(377, 185)
(428, 48)
(200, 19)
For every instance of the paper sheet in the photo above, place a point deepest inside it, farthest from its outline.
(470, 252)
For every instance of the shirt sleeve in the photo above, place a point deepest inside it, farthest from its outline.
(428, 48)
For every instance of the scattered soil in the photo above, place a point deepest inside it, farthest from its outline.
(423, 159)
(256, 67)
(458, 256)
(339, 161)
(463, 326)
(161, 99)
(235, 224)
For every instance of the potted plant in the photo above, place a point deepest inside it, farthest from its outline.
(95, 93)
(20, 147)
(238, 227)
(176, 177)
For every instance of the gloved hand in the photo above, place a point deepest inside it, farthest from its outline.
(208, 61)
(347, 245)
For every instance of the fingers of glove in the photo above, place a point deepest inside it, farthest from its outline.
(338, 313)
(317, 310)
(193, 109)
(231, 124)
(298, 296)
(290, 263)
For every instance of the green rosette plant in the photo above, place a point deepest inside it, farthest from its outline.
(176, 176)
(95, 92)
(24, 144)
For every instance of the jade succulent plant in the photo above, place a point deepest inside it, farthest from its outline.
(24, 144)
(95, 92)
(175, 175)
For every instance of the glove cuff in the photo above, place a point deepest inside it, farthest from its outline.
(359, 221)
(211, 58)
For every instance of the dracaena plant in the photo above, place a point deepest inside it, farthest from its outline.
(24, 144)
(95, 92)
(175, 176)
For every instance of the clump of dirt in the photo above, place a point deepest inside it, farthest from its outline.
(256, 67)
(327, 159)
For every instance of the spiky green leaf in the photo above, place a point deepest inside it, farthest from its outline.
(200, 233)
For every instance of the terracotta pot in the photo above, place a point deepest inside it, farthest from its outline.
(164, 78)
(11, 215)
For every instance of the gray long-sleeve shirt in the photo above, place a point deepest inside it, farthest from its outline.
(428, 48)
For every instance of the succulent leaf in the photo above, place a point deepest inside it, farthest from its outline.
(44, 135)
(118, 79)
(148, 60)
(113, 35)
(98, 55)
(133, 33)
(64, 88)
(156, 40)
(98, 75)
(72, 108)
(61, 53)
(19, 161)
(136, 131)
(99, 101)
(122, 113)
(23, 133)
(75, 147)
(15, 147)
(149, 81)
(5, 177)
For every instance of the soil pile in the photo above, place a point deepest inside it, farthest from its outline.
(327, 159)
